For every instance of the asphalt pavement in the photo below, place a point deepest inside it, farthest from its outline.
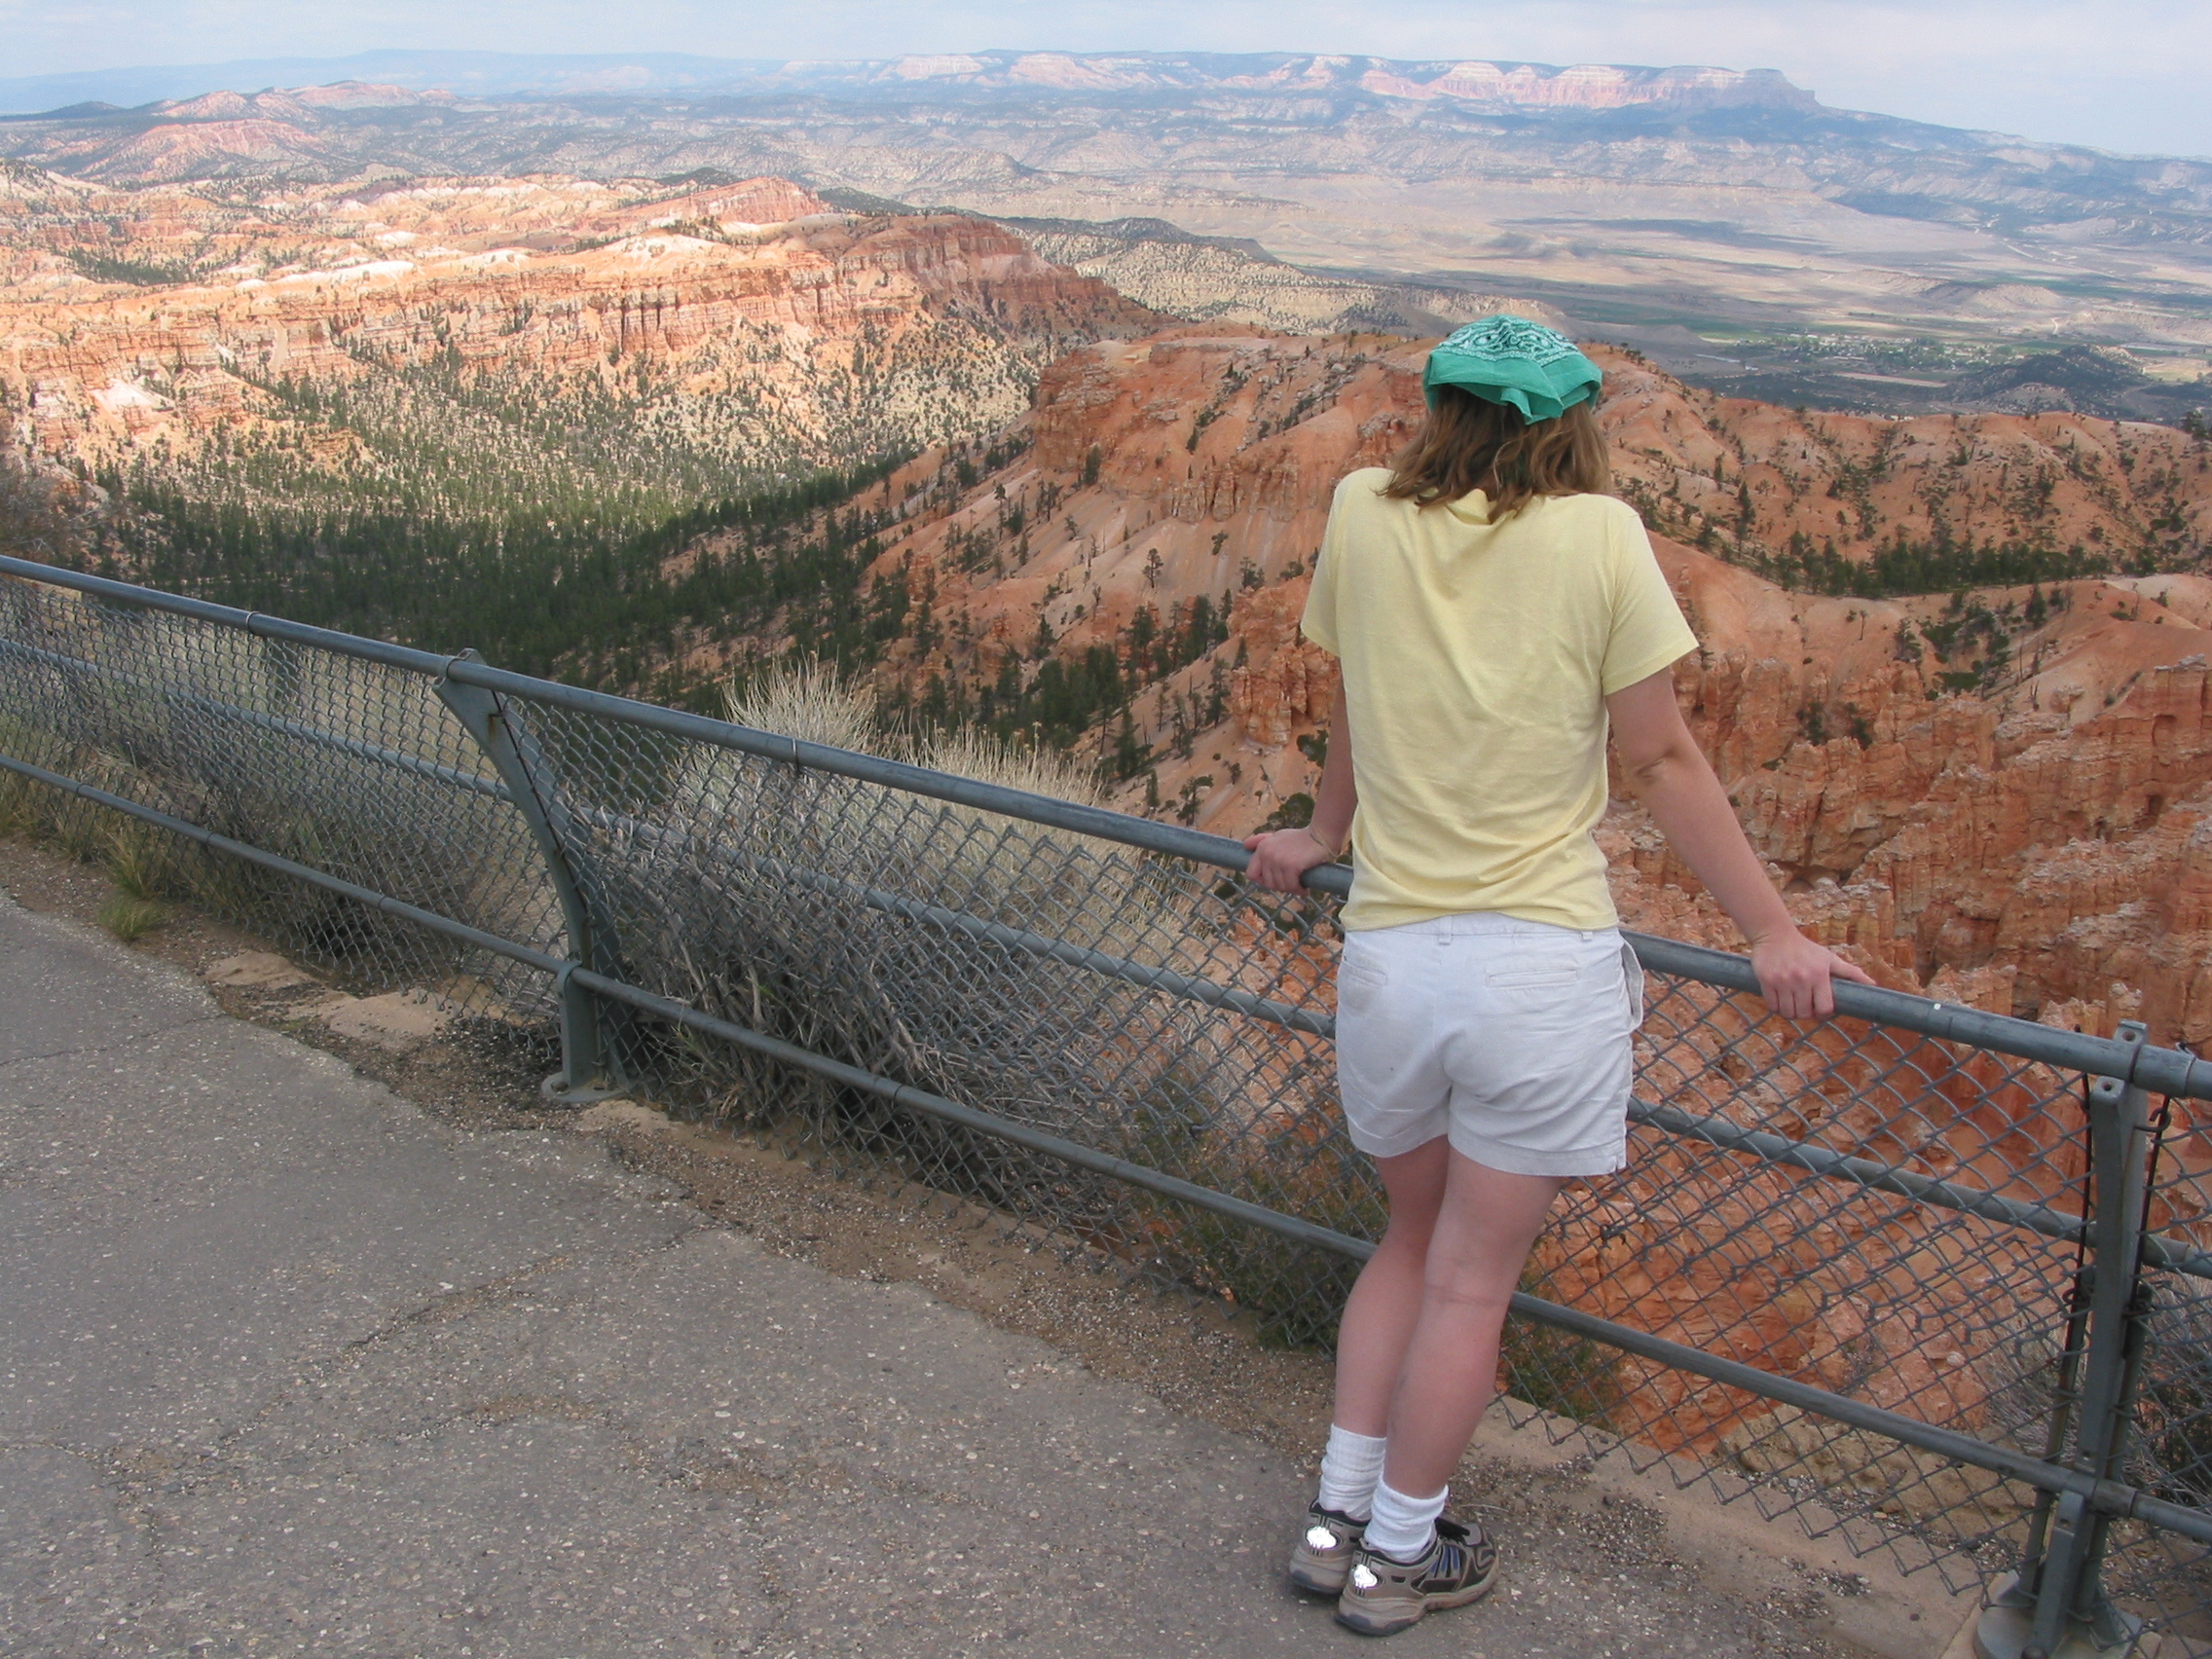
(287, 1365)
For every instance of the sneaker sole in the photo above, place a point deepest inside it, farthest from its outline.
(1354, 1620)
(1317, 1580)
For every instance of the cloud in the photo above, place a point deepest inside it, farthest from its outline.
(2122, 76)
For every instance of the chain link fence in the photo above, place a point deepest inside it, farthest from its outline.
(1935, 1279)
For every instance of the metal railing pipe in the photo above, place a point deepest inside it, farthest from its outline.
(257, 623)
(1950, 1021)
(2162, 1071)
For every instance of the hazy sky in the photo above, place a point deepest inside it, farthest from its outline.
(2124, 74)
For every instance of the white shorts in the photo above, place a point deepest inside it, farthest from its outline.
(1511, 1037)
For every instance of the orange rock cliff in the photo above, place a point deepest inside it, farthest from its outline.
(157, 321)
(1993, 793)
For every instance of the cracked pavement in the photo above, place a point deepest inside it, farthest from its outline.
(289, 1366)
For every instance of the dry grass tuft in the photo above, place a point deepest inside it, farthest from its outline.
(973, 753)
(128, 917)
(810, 701)
(138, 861)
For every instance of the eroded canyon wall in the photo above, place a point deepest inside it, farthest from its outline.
(1995, 790)
(745, 326)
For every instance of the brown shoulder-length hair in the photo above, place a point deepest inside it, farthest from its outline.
(1469, 444)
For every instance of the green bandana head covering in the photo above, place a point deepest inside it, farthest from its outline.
(1511, 361)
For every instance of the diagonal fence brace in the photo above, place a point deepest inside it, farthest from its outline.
(591, 1030)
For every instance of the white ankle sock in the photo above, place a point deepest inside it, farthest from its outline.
(1403, 1527)
(1349, 1469)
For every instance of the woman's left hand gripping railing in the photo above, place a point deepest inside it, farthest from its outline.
(592, 1029)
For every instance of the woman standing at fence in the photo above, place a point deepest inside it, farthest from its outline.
(1494, 610)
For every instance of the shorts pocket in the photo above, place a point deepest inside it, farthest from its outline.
(1360, 979)
(1532, 975)
(1632, 973)
(1535, 963)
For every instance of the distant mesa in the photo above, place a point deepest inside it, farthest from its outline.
(292, 103)
(937, 66)
(398, 78)
(1586, 85)
(366, 94)
(1593, 85)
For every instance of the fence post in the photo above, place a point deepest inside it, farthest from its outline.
(590, 1069)
(2057, 1606)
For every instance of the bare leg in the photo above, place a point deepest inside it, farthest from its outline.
(1386, 1300)
(1480, 1240)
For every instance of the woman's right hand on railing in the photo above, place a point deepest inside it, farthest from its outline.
(1797, 975)
(1282, 857)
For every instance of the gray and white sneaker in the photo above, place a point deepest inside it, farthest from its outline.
(1382, 1595)
(1324, 1552)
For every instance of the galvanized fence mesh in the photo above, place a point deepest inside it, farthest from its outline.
(352, 767)
(1852, 1271)
(1748, 1225)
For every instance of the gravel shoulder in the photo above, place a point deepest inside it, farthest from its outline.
(318, 1342)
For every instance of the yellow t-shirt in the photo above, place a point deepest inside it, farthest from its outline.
(1477, 658)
